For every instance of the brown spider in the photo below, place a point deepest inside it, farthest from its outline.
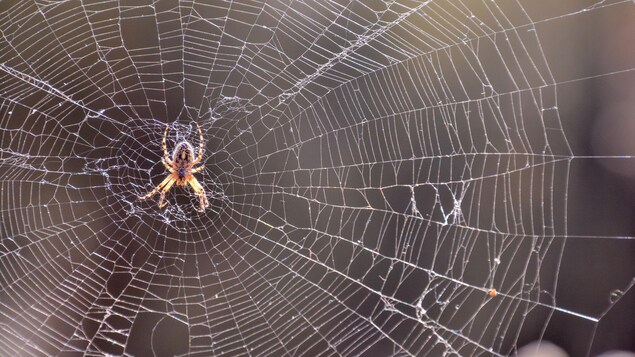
(181, 169)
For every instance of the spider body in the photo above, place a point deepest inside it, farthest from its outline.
(182, 157)
(182, 170)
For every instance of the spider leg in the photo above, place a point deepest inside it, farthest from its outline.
(162, 201)
(166, 155)
(200, 191)
(201, 145)
(158, 188)
(198, 169)
(167, 165)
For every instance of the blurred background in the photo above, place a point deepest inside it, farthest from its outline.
(374, 170)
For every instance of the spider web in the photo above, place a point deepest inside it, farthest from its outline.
(374, 170)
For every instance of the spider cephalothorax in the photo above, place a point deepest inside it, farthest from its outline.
(182, 170)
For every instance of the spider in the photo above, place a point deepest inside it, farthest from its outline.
(182, 170)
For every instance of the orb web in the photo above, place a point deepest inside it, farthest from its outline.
(385, 178)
